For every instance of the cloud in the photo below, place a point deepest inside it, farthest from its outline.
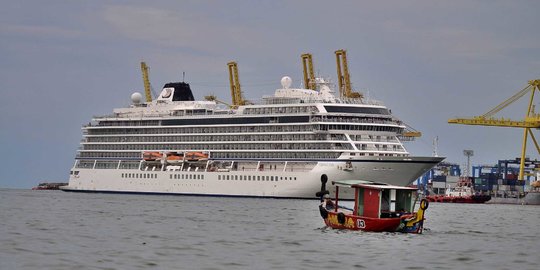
(444, 41)
(195, 32)
(39, 30)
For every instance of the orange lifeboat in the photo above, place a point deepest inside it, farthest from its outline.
(174, 157)
(152, 156)
(196, 156)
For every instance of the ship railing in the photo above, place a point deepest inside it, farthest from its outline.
(337, 120)
(270, 100)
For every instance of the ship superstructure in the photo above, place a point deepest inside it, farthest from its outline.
(287, 145)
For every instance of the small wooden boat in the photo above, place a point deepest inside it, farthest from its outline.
(378, 207)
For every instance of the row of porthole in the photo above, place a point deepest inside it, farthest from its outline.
(154, 176)
(188, 185)
(254, 178)
(201, 177)
(187, 176)
(140, 175)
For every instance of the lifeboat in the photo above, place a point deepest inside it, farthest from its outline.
(196, 156)
(174, 158)
(152, 156)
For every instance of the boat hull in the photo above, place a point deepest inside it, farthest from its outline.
(459, 199)
(289, 182)
(338, 220)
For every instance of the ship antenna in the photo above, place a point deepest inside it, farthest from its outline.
(436, 146)
(183, 76)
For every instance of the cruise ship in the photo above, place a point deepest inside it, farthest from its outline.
(291, 144)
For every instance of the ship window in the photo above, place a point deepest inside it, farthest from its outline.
(219, 177)
(258, 178)
(227, 177)
(271, 178)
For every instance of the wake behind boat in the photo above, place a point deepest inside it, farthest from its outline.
(286, 145)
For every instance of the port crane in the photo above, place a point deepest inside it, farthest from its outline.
(309, 75)
(531, 120)
(236, 91)
(146, 81)
(344, 79)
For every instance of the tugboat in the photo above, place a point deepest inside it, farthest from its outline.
(378, 207)
(463, 192)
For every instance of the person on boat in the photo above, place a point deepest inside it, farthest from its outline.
(385, 204)
(327, 203)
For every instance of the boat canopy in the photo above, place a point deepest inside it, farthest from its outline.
(378, 200)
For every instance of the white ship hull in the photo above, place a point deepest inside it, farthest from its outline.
(288, 183)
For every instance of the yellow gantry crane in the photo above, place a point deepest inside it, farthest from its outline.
(236, 91)
(344, 79)
(532, 119)
(146, 81)
(309, 75)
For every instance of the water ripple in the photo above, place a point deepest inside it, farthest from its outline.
(57, 230)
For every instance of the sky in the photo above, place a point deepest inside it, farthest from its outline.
(63, 62)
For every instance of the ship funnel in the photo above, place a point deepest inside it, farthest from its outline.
(176, 91)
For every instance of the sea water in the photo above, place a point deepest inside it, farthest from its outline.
(61, 230)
